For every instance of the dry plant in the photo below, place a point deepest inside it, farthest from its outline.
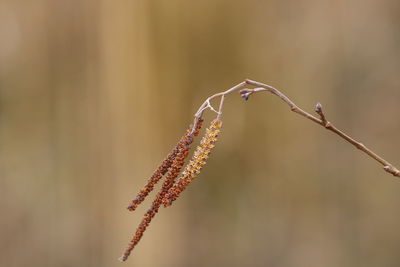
(176, 181)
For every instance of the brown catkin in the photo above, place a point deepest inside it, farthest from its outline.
(161, 170)
(173, 171)
(198, 160)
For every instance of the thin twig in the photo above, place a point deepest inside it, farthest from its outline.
(221, 104)
(245, 93)
(206, 104)
(172, 169)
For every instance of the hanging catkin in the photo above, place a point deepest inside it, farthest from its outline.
(198, 160)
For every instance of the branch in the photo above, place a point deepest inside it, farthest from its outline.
(171, 167)
(206, 104)
(245, 93)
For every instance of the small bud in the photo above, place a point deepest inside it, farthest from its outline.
(245, 93)
(318, 107)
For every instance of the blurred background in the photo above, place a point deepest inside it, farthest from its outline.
(94, 94)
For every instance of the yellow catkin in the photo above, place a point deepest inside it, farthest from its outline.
(198, 160)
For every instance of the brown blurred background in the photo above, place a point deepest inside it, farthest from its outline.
(93, 94)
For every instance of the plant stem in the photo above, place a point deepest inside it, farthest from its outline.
(388, 167)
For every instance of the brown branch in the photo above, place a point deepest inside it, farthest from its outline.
(245, 93)
(171, 167)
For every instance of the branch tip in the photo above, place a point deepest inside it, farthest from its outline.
(245, 93)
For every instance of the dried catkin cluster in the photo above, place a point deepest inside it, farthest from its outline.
(157, 175)
(198, 160)
(173, 163)
(163, 168)
(177, 160)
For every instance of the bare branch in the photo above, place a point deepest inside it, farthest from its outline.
(245, 93)
(172, 166)
(206, 103)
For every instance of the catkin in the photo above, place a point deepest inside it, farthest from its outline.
(198, 160)
(173, 171)
(162, 169)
